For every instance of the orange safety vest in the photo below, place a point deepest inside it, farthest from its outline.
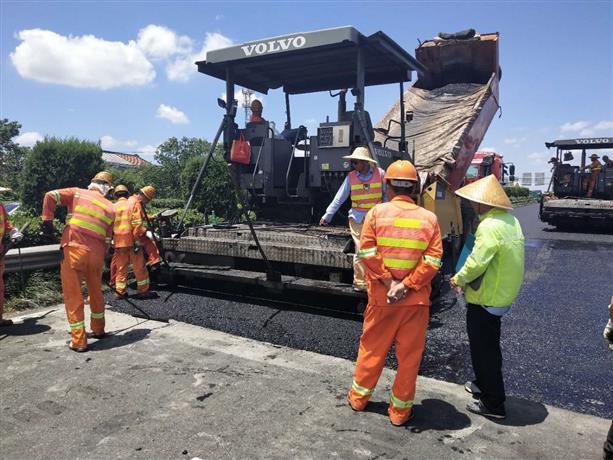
(90, 218)
(122, 229)
(365, 195)
(5, 225)
(402, 240)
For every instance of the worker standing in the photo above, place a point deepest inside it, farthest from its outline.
(595, 168)
(256, 112)
(129, 228)
(15, 236)
(85, 240)
(401, 250)
(491, 277)
(365, 184)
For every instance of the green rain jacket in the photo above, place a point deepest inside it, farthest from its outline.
(498, 255)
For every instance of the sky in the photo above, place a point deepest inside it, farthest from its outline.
(122, 72)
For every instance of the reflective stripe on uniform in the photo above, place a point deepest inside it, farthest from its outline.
(361, 390)
(88, 225)
(137, 222)
(368, 196)
(402, 222)
(98, 203)
(122, 227)
(97, 315)
(77, 325)
(368, 252)
(56, 196)
(401, 243)
(434, 261)
(355, 204)
(399, 263)
(120, 285)
(93, 213)
(399, 402)
(143, 282)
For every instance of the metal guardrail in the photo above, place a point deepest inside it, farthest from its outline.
(32, 258)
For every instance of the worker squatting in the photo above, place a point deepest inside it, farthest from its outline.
(398, 253)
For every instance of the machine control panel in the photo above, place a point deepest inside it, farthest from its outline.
(332, 135)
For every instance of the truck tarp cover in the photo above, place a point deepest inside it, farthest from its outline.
(441, 117)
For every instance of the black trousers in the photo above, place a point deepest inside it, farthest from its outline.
(484, 338)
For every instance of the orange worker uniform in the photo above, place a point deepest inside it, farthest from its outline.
(5, 229)
(400, 241)
(128, 229)
(89, 226)
(592, 180)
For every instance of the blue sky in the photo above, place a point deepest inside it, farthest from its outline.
(121, 71)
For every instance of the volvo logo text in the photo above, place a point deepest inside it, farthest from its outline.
(282, 44)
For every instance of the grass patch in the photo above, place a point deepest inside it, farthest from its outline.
(41, 288)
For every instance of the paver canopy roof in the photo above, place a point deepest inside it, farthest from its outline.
(582, 143)
(311, 61)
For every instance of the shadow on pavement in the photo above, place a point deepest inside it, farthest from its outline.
(29, 326)
(431, 414)
(521, 412)
(116, 341)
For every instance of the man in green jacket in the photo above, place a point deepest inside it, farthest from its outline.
(491, 279)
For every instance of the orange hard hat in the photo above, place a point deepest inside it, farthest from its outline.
(401, 170)
(104, 176)
(148, 191)
(121, 189)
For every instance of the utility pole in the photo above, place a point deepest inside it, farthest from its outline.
(247, 94)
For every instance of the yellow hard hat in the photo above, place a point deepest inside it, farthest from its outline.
(120, 188)
(104, 176)
(148, 191)
(361, 153)
(486, 191)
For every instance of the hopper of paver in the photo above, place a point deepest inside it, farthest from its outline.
(452, 105)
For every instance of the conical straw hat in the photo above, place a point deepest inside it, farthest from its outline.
(486, 191)
(4, 189)
(360, 153)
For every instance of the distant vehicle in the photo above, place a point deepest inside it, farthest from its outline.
(566, 203)
(11, 208)
(485, 163)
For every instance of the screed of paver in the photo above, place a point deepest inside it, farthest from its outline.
(155, 390)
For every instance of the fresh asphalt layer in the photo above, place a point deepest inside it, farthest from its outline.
(552, 342)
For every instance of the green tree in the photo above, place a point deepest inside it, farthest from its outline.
(172, 157)
(11, 154)
(58, 163)
(216, 193)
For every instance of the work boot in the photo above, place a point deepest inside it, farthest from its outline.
(472, 388)
(5, 322)
(93, 335)
(77, 349)
(146, 295)
(400, 417)
(357, 402)
(120, 295)
(477, 407)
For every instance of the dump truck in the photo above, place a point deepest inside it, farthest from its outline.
(485, 163)
(290, 177)
(566, 204)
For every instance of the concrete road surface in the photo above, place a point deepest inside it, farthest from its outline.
(155, 390)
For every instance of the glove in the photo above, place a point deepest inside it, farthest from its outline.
(46, 227)
(137, 246)
(149, 235)
(16, 236)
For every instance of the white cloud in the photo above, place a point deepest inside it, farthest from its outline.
(85, 61)
(183, 68)
(604, 125)
(586, 128)
(28, 139)
(574, 127)
(147, 150)
(159, 42)
(219, 17)
(109, 143)
(171, 114)
(514, 140)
